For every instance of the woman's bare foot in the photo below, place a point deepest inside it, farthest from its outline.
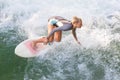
(34, 45)
(45, 40)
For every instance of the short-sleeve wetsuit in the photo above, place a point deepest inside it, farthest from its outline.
(60, 26)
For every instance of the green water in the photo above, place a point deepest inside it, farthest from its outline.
(11, 66)
(59, 63)
(99, 60)
(77, 64)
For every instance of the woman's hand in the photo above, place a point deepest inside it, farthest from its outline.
(78, 42)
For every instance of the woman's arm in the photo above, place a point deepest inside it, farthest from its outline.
(74, 35)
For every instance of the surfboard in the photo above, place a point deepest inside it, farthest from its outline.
(25, 49)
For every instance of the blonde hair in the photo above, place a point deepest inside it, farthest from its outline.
(75, 19)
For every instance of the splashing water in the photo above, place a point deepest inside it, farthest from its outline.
(98, 56)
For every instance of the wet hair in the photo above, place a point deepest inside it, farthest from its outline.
(75, 19)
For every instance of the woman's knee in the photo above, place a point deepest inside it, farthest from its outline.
(58, 36)
(50, 28)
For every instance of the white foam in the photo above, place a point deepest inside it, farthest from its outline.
(32, 15)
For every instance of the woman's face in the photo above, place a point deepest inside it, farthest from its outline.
(78, 24)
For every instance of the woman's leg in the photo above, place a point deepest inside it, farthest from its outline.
(40, 40)
(50, 28)
(58, 36)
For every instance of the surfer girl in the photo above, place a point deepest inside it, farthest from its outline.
(56, 25)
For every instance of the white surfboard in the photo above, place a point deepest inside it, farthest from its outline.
(24, 49)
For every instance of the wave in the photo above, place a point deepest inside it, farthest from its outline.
(96, 59)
